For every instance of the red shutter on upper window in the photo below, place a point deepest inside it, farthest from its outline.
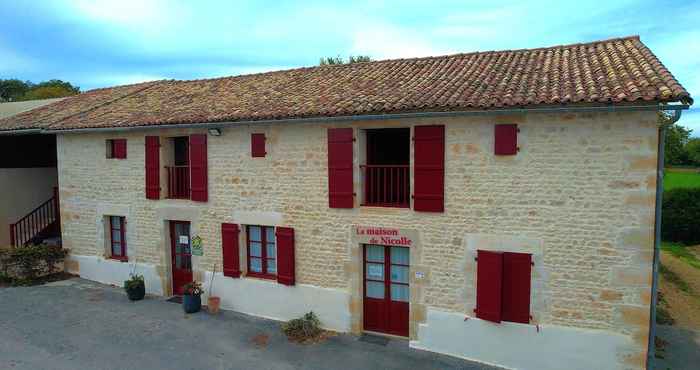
(489, 275)
(285, 255)
(152, 167)
(198, 167)
(229, 245)
(340, 166)
(257, 145)
(516, 287)
(429, 169)
(506, 139)
(119, 148)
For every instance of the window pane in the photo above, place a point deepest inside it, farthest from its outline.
(375, 253)
(116, 236)
(271, 266)
(400, 255)
(399, 274)
(255, 249)
(375, 271)
(271, 251)
(399, 293)
(116, 222)
(255, 264)
(270, 234)
(116, 249)
(375, 290)
(254, 233)
(187, 261)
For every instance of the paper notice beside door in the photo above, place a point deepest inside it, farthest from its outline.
(184, 239)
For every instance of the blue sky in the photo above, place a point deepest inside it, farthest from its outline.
(95, 43)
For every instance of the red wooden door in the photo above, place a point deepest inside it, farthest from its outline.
(386, 289)
(181, 255)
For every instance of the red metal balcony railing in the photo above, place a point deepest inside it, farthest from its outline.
(387, 185)
(178, 182)
(35, 222)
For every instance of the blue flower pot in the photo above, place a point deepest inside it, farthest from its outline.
(191, 303)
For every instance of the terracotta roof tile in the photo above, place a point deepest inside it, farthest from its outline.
(613, 71)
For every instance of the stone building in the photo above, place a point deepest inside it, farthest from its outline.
(494, 206)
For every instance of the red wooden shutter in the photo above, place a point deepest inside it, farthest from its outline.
(198, 167)
(489, 274)
(119, 148)
(229, 245)
(285, 255)
(429, 169)
(516, 287)
(506, 139)
(257, 145)
(340, 182)
(152, 167)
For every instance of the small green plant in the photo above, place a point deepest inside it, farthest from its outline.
(304, 328)
(135, 281)
(193, 288)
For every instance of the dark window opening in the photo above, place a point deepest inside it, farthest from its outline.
(179, 174)
(387, 173)
(181, 146)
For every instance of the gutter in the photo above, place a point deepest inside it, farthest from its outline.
(372, 117)
(651, 347)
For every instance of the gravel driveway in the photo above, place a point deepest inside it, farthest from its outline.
(77, 324)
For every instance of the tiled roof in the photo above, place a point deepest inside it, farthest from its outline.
(611, 71)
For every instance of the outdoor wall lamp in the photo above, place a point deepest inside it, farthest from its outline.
(215, 131)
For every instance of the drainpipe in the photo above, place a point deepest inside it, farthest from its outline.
(657, 235)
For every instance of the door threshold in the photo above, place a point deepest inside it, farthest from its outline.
(175, 299)
(385, 335)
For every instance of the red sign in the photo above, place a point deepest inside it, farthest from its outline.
(384, 236)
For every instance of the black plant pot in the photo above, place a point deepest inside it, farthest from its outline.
(136, 293)
(192, 303)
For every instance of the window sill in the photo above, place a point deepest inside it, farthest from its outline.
(257, 275)
(120, 259)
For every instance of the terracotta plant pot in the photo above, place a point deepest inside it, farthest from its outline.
(213, 304)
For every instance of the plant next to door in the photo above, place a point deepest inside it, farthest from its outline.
(135, 287)
(192, 299)
(304, 329)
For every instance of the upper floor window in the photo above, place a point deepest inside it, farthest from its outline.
(262, 251)
(117, 235)
(179, 170)
(386, 174)
(116, 148)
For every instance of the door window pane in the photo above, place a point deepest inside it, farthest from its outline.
(255, 264)
(254, 233)
(400, 255)
(399, 274)
(375, 253)
(272, 266)
(255, 249)
(399, 293)
(375, 271)
(375, 290)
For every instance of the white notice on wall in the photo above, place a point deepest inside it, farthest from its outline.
(184, 239)
(419, 275)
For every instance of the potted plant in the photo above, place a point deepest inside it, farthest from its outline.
(192, 299)
(213, 302)
(135, 287)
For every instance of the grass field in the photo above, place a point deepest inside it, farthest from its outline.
(674, 179)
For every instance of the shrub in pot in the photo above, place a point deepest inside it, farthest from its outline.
(135, 287)
(192, 298)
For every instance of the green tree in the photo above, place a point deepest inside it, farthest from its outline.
(13, 89)
(51, 89)
(693, 150)
(339, 60)
(676, 139)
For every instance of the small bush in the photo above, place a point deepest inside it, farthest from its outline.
(680, 220)
(304, 328)
(31, 262)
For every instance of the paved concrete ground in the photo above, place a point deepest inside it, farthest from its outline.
(682, 350)
(77, 324)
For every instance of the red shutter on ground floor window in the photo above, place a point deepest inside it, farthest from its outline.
(152, 167)
(257, 145)
(489, 274)
(340, 165)
(230, 253)
(506, 139)
(285, 255)
(429, 169)
(198, 167)
(119, 148)
(516, 287)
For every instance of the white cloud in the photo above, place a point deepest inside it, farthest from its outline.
(124, 79)
(382, 41)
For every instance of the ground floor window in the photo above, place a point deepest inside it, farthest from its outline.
(117, 237)
(262, 251)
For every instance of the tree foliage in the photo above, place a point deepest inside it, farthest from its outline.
(17, 90)
(339, 60)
